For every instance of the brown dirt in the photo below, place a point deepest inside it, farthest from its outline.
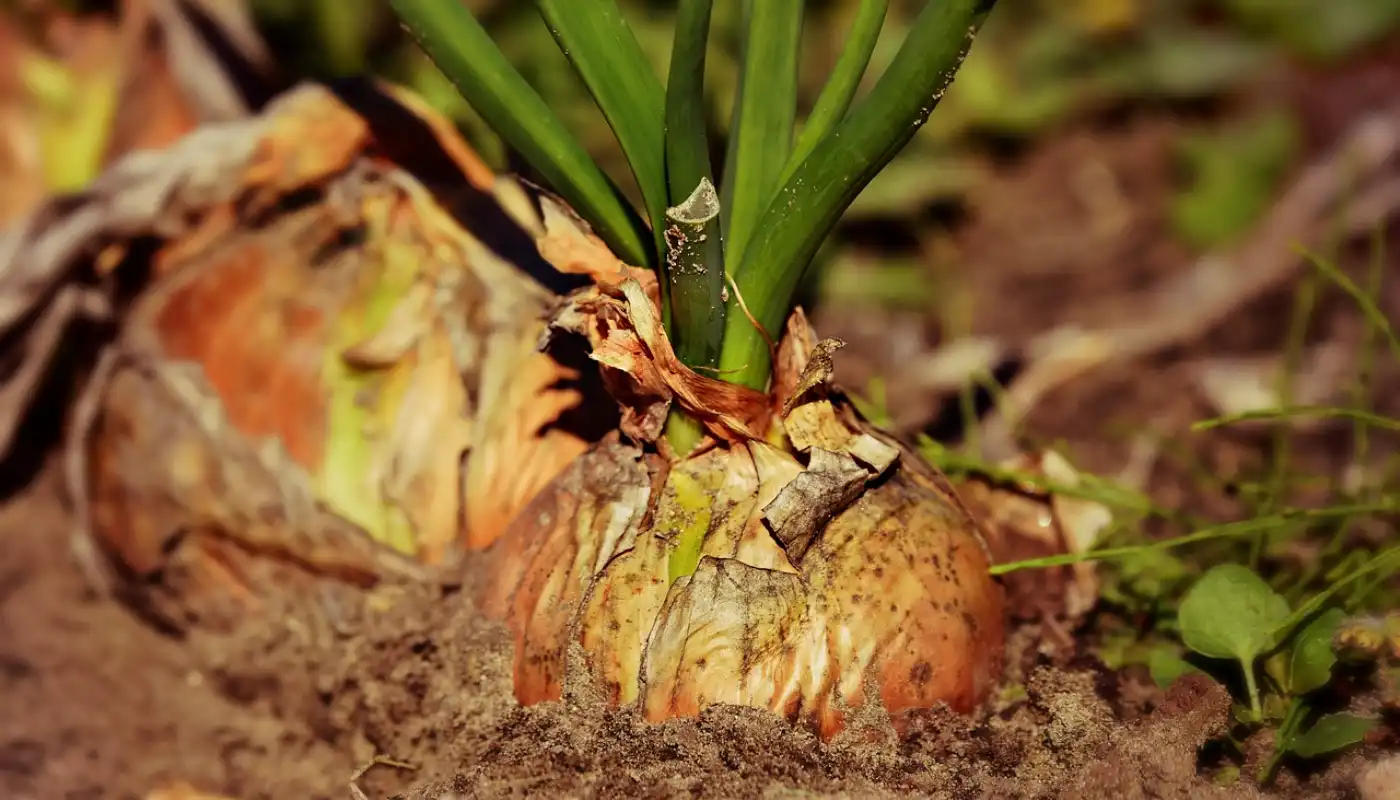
(99, 704)
(108, 707)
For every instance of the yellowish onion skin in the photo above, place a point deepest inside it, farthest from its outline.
(327, 384)
(895, 595)
(904, 561)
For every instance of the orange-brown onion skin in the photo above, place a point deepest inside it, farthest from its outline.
(895, 596)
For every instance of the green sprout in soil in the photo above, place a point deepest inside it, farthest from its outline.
(1231, 613)
(1274, 631)
(730, 258)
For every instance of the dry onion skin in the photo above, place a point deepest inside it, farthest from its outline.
(816, 571)
(295, 392)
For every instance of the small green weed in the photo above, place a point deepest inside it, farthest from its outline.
(1232, 614)
(1273, 605)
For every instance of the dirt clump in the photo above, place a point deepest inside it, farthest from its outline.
(1157, 757)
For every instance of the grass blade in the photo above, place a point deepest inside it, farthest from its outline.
(811, 202)
(603, 50)
(1304, 305)
(840, 88)
(694, 283)
(461, 48)
(1363, 418)
(1228, 530)
(760, 139)
(1374, 315)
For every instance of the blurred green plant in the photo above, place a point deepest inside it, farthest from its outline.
(1235, 173)
(1319, 29)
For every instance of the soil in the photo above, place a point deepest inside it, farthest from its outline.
(106, 706)
(101, 704)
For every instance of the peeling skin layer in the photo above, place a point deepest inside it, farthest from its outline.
(185, 457)
(304, 380)
(303, 389)
(549, 558)
(894, 589)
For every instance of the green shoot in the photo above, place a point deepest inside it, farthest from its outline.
(692, 231)
(456, 42)
(606, 55)
(764, 114)
(778, 203)
(694, 284)
(809, 204)
(840, 89)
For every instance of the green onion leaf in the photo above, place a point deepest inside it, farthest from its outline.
(604, 52)
(810, 204)
(765, 111)
(694, 284)
(841, 87)
(462, 49)
(692, 231)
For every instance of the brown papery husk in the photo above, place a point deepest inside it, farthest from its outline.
(328, 381)
(835, 573)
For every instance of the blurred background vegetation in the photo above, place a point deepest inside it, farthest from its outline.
(1040, 67)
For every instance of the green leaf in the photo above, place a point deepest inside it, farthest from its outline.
(840, 88)
(604, 52)
(1332, 733)
(461, 48)
(1230, 613)
(766, 109)
(1311, 659)
(810, 204)
(694, 283)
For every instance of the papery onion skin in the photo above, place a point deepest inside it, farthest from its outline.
(895, 594)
